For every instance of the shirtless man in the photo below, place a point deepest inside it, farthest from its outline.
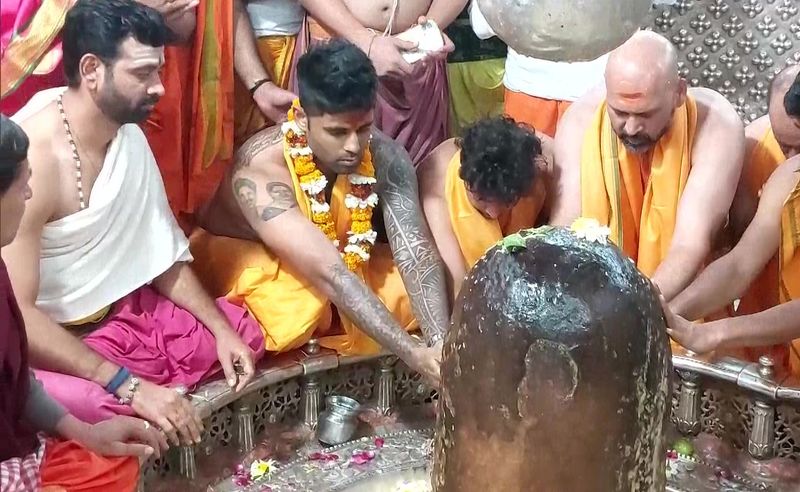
(769, 140)
(478, 189)
(99, 251)
(772, 233)
(651, 166)
(274, 195)
(413, 99)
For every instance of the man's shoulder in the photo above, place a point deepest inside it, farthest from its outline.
(580, 113)
(757, 128)
(432, 172)
(261, 153)
(713, 108)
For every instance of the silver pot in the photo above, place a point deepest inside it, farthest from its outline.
(339, 421)
(564, 30)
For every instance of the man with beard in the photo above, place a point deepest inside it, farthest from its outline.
(658, 164)
(100, 255)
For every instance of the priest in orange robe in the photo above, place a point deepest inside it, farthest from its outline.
(643, 157)
(771, 140)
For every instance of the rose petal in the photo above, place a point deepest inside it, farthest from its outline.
(379, 442)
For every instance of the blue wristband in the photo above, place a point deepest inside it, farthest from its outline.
(118, 380)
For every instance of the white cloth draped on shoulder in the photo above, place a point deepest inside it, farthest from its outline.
(124, 238)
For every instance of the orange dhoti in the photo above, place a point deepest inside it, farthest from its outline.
(276, 53)
(288, 308)
(66, 466)
(476, 233)
(789, 264)
(541, 114)
(191, 128)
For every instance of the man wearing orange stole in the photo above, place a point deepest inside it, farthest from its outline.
(294, 233)
(771, 140)
(658, 164)
(478, 189)
(773, 233)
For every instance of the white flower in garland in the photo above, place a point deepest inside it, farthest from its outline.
(352, 202)
(369, 237)
(358, 179)
(358, 250)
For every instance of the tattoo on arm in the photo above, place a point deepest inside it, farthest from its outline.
(412, 245)
(256, 144)
(367, 311)
(282, 200)
(280, 194)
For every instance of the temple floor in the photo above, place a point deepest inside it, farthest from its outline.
(391, 454)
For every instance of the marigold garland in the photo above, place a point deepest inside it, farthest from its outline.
(360, 200)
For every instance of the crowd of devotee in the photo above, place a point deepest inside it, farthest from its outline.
(190, 187)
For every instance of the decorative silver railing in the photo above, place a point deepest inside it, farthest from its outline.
(746, 404)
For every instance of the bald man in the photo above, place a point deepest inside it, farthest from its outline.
(656, 163)
(770, 141)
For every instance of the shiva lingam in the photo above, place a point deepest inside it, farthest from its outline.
(557, 365)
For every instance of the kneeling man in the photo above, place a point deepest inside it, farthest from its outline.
(656, 163)
(483, 187)
(302, 213)
(99, 252)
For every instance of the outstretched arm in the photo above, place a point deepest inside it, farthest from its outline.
(414, 251)
(710, 188)
(730, 276)
(444, 12)
(780, 324)
(274, 215)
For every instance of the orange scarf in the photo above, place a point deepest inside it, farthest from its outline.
(474, 232)
(642, 221)
(32, 50)
(790, 262)
(764, 159)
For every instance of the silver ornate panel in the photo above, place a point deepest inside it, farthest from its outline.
(733, 46)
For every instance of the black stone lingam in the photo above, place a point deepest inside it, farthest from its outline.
(555, 373)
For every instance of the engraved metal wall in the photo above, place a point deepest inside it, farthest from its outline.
(733, 46)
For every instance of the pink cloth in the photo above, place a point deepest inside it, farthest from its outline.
(14, 17)
(157, 341)
(413, 111)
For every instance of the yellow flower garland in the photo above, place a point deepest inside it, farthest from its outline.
(360, 201)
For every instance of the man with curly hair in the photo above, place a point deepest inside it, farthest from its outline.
(482, 187)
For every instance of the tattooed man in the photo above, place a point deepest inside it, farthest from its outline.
(292, 235)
